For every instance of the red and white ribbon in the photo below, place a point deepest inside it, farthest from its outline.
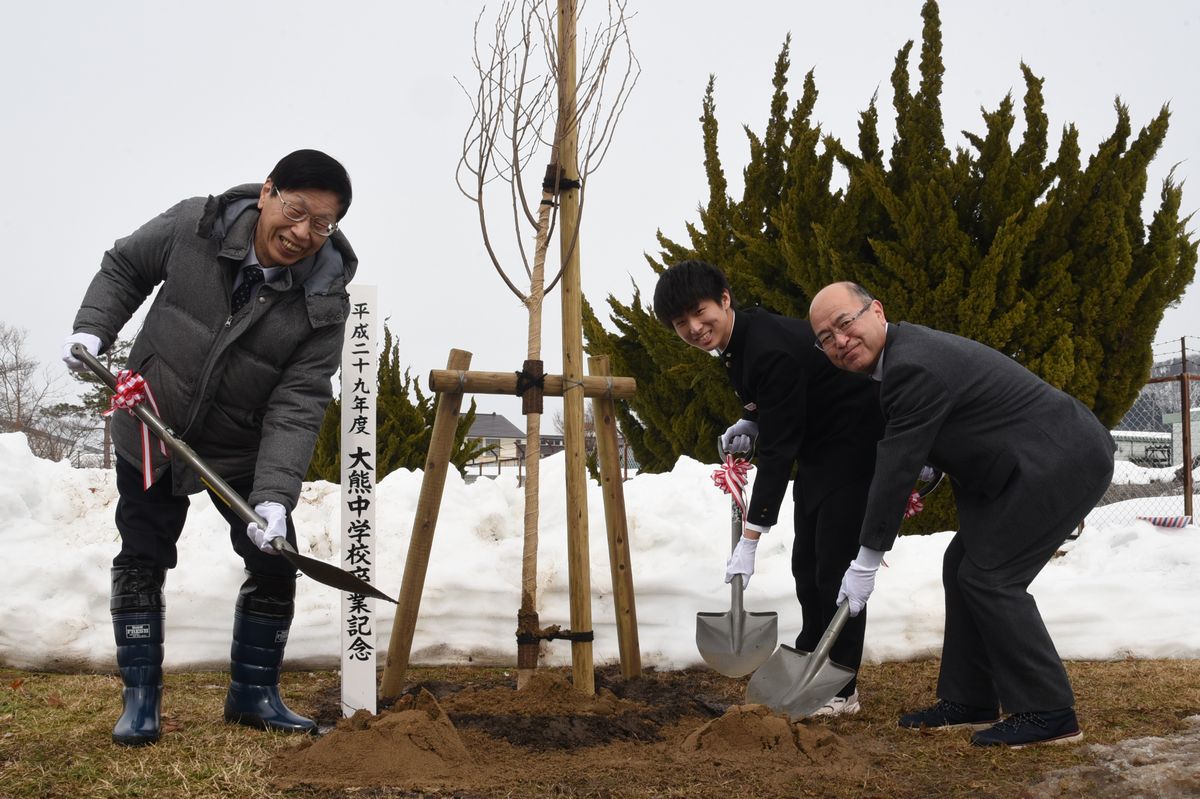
(1171, 522)
(915, 505)
(131, 390)
(730, 477)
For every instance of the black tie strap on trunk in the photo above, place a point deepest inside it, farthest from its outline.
(555, 632)
(531, 386)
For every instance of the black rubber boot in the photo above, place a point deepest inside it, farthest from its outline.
(137, 612)
(261, 622)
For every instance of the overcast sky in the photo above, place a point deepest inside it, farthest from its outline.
(115, 111)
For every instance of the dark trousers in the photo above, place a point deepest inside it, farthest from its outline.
(151, 521)
(826, 541)
(996, 649)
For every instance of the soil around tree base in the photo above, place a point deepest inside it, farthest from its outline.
(687, 734)
(423, 744)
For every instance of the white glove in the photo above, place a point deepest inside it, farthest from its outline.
(86, 339)
(742, 561)
(740, 436)
(927, 474)
(276, 518)
(857, 585)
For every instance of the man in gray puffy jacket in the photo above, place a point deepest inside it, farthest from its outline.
(238, 349)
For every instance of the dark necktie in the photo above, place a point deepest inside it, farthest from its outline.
(251, 276)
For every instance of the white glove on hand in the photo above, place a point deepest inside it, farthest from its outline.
(276, 518)
(86, 339)
(740, 436)
(742, 561)
(857, 585)
(927, 474)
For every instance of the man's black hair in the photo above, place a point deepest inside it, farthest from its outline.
(684, 286)
(313, 169)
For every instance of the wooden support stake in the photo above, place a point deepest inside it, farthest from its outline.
(604, 413)
(578, 567)
(506, 383)
(429, 503)
(1189, 461)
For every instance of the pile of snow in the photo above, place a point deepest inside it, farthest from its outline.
(1120, 590)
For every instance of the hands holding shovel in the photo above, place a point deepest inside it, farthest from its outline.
(741, 561)
(859, 580)
(798, 683)
(275, 516)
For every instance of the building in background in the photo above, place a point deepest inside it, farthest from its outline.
(505, 444)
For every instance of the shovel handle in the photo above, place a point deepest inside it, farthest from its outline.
(737, 520)
(820, 653)
(737, 525)
(321, 572)
(179, 447)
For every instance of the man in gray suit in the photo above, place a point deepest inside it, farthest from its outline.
(1027, 463)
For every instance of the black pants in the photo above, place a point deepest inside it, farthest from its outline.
(996, 649)
(151, 521)
(826, 541)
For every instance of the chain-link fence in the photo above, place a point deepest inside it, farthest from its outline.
(1157, 444)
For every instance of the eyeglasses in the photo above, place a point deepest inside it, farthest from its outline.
(317, 224)
(840, 328)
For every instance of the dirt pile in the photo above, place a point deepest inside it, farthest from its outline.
(412, 743)
(755, 729)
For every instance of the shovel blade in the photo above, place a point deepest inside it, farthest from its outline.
(329, 575)
(784, 683)
(736, 644)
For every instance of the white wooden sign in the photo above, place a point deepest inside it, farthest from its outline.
(360, 368)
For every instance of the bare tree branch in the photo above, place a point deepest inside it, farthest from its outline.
(31, 403)
(512, 110)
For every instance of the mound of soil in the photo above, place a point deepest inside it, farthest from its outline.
(413, 742)
(755, 729)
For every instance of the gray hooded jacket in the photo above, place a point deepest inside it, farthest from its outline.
(246, 390)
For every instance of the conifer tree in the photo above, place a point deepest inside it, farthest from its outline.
(403, 427)
(1048, 261)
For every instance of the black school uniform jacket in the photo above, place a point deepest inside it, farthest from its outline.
(810, 414)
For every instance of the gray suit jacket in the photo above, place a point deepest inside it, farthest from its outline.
(1023, 456)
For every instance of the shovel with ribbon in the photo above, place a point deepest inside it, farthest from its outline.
(320, 571)
(735, 642)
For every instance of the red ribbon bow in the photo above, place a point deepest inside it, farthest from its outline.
(131, 390)
(915, 505)
(730, 477)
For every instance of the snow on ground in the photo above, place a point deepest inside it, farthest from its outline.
(1125, 589)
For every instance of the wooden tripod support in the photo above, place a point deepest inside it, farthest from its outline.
(451, 384)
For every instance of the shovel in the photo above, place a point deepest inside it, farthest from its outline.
(318, 570)
(799, 683)
(736, 643)
(796, 682)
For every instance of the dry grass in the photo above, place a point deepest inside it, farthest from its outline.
(54, 739)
